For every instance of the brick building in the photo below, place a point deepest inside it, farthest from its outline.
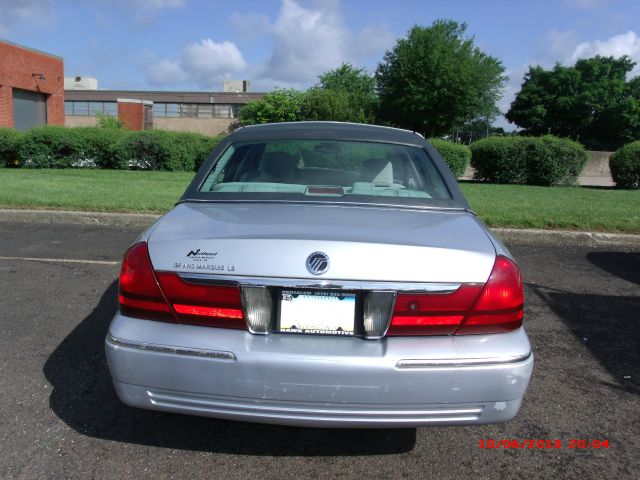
(31, 87)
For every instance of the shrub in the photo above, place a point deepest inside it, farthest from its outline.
(9, 139)
(49, 147)
(98, 146)
(544, 160)
(60, 147)
(571, 154)
(625, 166)
(163, 150)
(108, 121)
(457, 156)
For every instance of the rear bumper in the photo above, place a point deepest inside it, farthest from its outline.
(319, 381)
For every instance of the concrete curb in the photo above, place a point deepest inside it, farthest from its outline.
(143, 220)
(78, 218)
(566, 237)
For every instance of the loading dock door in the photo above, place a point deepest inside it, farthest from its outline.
(29, 109)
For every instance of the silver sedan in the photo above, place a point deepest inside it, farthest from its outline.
(322, 274)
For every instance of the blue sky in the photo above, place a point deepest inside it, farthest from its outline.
(194, 45)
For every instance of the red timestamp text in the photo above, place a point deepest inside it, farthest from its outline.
(541, 443)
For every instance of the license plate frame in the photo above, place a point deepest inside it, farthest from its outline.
(317, 312)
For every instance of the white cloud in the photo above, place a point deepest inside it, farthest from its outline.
(208, 60)
(616, 46)
(166, 72)
(204, 64)
(16, 13)
(308, 41)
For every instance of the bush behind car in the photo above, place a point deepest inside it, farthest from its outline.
(8, 147)
(625, 166)
(60, 147)
(545, 160)
(456, 156)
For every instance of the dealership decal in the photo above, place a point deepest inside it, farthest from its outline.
(201, 255)
(204, 266)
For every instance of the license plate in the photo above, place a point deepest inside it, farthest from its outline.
(317, 312)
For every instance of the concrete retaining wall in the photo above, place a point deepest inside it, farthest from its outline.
(208, 126)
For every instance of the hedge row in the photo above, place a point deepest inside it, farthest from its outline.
(457, 156)
(60, 147)
(625, 166)
(543, 160)
(8, 146)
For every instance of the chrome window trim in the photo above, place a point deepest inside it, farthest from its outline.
(152, 347)
(237, 280)
(459, 362)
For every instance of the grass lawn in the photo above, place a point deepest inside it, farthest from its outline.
(94, 190)
(571, 208)
(155, 192)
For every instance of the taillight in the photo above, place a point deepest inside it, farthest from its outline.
(200, 304)
(472, 309)
(500, 307)
(432, 313)
(165, 296)
(139, 294)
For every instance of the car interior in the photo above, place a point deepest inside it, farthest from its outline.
(326, 168)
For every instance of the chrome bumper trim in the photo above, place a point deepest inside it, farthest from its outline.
(461, 362)
(315, 283)
(191, 352)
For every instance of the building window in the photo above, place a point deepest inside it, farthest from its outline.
(205, 111)
(111, 109)
(159, 109)
(173, 109)
(76, 108)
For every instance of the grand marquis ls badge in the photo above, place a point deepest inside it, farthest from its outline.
(318, 263)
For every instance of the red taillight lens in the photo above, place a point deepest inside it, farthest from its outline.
(472, 309)
(139, 294)
(432, 313)
(500, 307)
(148, 294)
(210, 305)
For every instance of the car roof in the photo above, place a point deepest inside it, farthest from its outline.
(329, 131)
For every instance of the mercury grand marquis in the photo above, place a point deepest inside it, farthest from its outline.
(322, 274)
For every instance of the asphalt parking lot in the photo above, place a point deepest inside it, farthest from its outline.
(60, 418)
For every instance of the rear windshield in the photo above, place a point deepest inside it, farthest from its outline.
(320, 168)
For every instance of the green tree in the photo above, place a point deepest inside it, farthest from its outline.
(332, 105)
(436, 79)
(282, 105)
(355, 87)
(590, 102)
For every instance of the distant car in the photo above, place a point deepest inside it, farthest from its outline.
(322, 274)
